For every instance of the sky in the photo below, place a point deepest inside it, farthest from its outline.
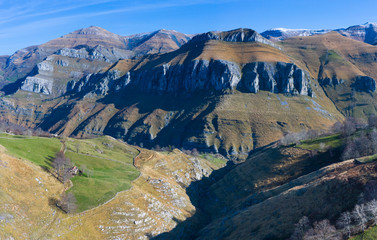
(24, 23)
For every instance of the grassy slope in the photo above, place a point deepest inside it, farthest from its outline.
(331, 55)
(109, 161)
(25, 194)
(25, 147)
(111, 165)
(322, 143)
(153, 205)
(370, 234)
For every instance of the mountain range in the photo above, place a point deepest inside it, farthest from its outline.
(216, 103)
(93, 82)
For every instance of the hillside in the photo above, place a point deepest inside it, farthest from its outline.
(153, 204)
(345, 68)
(266, 195)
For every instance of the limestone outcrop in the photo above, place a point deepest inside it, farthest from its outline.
(200, 75)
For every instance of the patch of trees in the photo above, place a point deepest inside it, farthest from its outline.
(349, 223)
(12, 128)
(361, 143)
(62, 166)
(360, 137)
(67, 203)
(64, 172)
(295, 137)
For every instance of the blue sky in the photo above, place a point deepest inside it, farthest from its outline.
(24, 22)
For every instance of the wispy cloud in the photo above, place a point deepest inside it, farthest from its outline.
(17, 13)
(50, 19)
(20, 20)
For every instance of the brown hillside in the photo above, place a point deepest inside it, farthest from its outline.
(334, 56)
(351, 57)
(154, 204)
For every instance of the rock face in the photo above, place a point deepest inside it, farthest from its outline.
(205, 75)
(281, 78)
(197, 75)
(51, 76)
(360, 83)
(99, 53)
(99, 83)
(366, 32)
(37, 85)
(364, 84)
(92, 43)
(237, 35)
(333, 82)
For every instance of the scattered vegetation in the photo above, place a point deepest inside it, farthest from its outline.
(349, 223)
(106, 164)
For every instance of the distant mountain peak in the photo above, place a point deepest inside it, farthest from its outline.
(92, 31)
(235, 35)
(278, 34)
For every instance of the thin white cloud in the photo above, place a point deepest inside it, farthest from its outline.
(18, 13)
(51, 21)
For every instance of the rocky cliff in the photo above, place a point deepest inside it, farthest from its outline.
(364, 84)
(92, 43)
(51, 76)
(205, 75)
(236, 35)
(366, 32)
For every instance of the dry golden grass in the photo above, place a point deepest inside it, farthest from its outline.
(73, 39)
(247, 121)
(242, 53)
(153, 204)
(123, 65)
(357, 57)
(25, 193)
(267, 194)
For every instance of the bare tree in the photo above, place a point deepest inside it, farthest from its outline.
(337, 127)
(360, 216)
(371, 209)
(358, 147)
(62, 166)
(322, 230)
(345, 223)
(67, 203)
(195, 152)
(77, 146)
(349, 126)
(300, 228)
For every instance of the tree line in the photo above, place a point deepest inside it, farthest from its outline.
(359, 137)
(349, 223)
